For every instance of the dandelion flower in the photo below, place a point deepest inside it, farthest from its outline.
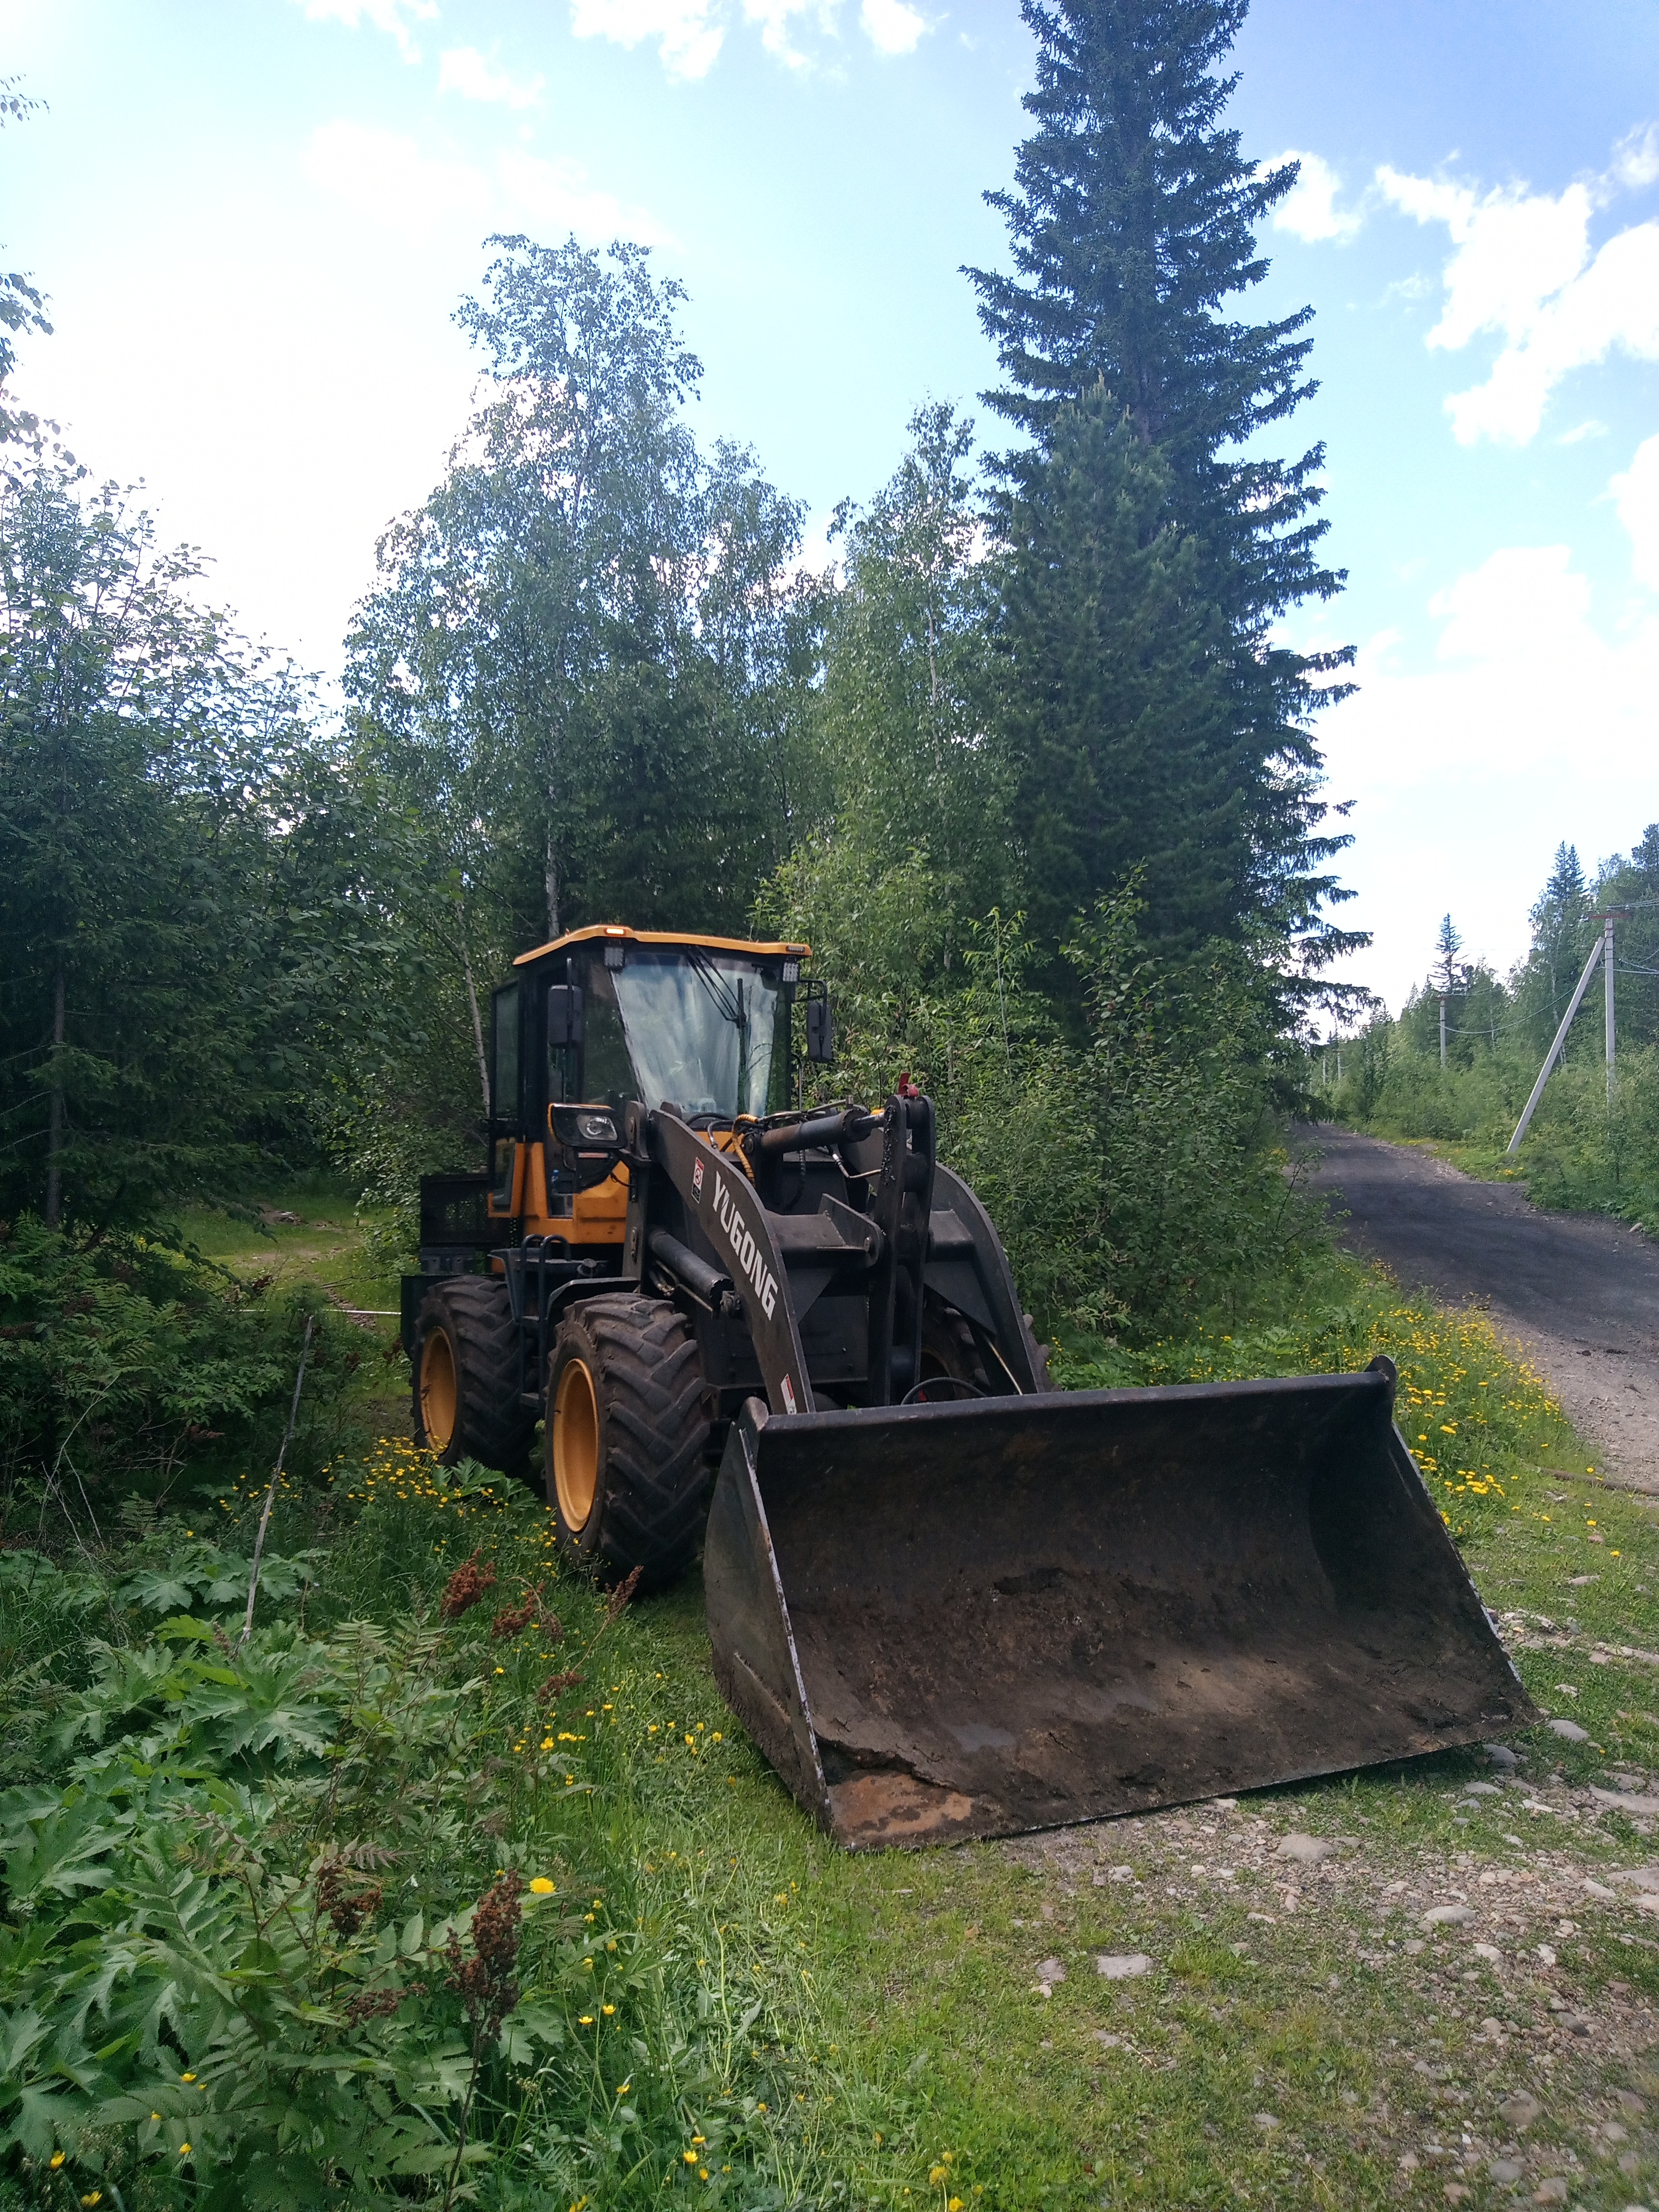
(55, 2161)
(541, 1886)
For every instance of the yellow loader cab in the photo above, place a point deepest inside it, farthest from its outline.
(945, 1599)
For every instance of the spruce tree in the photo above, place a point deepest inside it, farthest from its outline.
(1133, 219)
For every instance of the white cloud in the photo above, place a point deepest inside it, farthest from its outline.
(1309, 209)
(773, 18)
(1590, 427)
(1530, 719)
(386, 180)
(689, 40)
(690, 32)
(557, 196)
(391, 16)
(474, 77)
(1637, 495)
(1636, 157)
(1522, 270)
(891, 27)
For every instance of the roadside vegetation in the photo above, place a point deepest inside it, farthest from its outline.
(342, 1907)
(1582, 1150)
(450, 1880)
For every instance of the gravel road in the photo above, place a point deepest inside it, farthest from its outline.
(1580, 1292)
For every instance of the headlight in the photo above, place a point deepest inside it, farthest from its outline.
(584, 1125)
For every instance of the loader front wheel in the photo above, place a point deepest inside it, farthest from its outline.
(467, 1376)
(627, 1432)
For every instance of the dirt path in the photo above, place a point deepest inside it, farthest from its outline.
(1581, 1292)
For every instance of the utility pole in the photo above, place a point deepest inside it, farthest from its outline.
(1607, 974)
(1443, 1032)
(1598, 952)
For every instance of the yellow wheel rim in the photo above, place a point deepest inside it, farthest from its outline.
(575, 1445)
(439, 1392)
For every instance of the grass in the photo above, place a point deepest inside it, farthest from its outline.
(891, 2030)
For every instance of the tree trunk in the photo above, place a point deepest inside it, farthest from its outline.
(55, 1112)
(472, 1005)
(551, 875)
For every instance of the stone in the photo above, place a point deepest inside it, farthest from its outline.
(1455, 2193)
(1447, 1915)
(1505, 2169)
(1306, 1850)
(1570, 1730)
(1646, 1877)
(1491, 2027)
(1416, 1946)
(1547, 1953)
(1519, 2110)
(1108, 2042)
(1641, 1806)
(1267, 2121)
(1552, 2192)
(1490, 1953)
(1122, 1967)
(1499, 1754)
(1599, 1889)
(1615, 2132)
(1481, 1789)
(1051, 1970)
(1630, 2101)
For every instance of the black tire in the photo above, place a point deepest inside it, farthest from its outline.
(465, 1376)
(627, 1436)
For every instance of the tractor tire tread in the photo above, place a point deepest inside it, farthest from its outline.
(491, 1426)
(657, 1476)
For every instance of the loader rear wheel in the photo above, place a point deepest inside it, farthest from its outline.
(627, 1432)
(467, 1376)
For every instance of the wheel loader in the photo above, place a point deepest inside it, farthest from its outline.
(944, 1598)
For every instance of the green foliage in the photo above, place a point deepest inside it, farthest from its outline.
(258, 1948)
(1114, 712)
(126, 1365)
(1132, 219)
(1135, 1178)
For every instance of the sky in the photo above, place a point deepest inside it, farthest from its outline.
(255, 223)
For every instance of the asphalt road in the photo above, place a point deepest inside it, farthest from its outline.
(1581, 1292)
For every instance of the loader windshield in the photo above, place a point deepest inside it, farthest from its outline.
(698, 1027)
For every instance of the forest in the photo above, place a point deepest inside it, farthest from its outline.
(1592, 1143)
(1026, 763)
(323, 1885)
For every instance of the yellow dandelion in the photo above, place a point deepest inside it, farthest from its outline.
(541, 1886)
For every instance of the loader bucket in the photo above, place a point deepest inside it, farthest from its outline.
(966, 1620)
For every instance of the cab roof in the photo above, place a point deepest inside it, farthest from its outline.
(610, 929)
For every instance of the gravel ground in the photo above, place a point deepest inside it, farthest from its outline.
(1579, 1292)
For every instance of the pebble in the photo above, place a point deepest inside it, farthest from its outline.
(1447, 1915)
(1552, 2192)
(1051, 1970)
(1547, 1953)
(1599, 1889)
(1108, 2042)
(1570, 1730)
(1481, 1789)
(1122, 1967)
(1630, 2101)
(1490, 1953)
(1414, 1947)
(1505, 2169)
(1520, 2111)
(1306, 1850)
(1500, 1754)
(1268, 2121)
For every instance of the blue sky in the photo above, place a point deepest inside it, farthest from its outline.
(255, 220)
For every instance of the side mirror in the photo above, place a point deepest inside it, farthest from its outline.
(564, 1014)
(820, 1029)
